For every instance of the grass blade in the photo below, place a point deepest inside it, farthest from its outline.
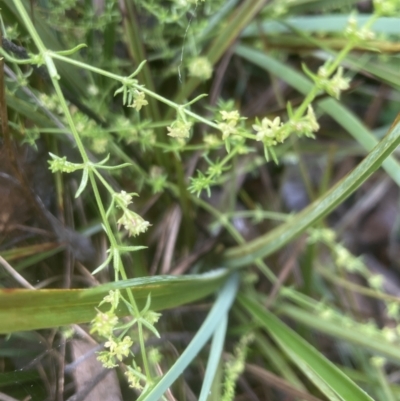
(214, 358)
(323, 373)
(31, 310)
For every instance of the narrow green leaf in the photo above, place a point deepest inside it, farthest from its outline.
(82, 185)
(30, 310)
(323, 373)
(214, 358)
(321, 23)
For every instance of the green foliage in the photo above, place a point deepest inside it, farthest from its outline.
(127, 102)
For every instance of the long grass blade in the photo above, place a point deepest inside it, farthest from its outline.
(323, 373)
(30, 310)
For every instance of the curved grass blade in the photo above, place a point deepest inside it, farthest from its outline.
(275, 239)
(322, 23)
(30, 310)
(323, 373)
(218, 312)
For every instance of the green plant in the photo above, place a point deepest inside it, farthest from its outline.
(154, 143)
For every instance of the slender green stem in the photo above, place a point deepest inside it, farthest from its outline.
(88, 67)
(47, 56)
(134, 84)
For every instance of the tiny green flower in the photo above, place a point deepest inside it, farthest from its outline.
(111, 344)
(118, 348)
(104, 323)
(378, 361)
(123, 348)
(155, 356)
(312, 120)
(370, 328)
(123, 199)
(152, 317)
(133, 223)
(392, 310)
(339, 83)
(333, 86)
(112, 298)
(93, 90)
(99, 145)
(356, 34)
(61, 164)
(157, 179)
(139, 100)
(326, 314)
(107, 359)
(227, 129)
(179, 129)
(268, 129)
(133, 379)
(211, 140)
(390, 334)
(323, 234)
(200, 67)
(347, 260)
(230, 115)
(376, 281)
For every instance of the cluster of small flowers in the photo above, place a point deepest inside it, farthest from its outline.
(200, 67)
(131, 221)
(228, 127)
(347, 261)
(328, 313)
(104, 324)
(306, 125)
(211, 140)
(235, 366)
(61, 164)
(271, 132)
(118, 349)
(343, 257)
(333, 86)
(51, 102)
(369, 328)
(134, 376)
(157, 179)
(179, 129)
(268, 130)
(325, 235)
(99, 145)
(356, 34)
